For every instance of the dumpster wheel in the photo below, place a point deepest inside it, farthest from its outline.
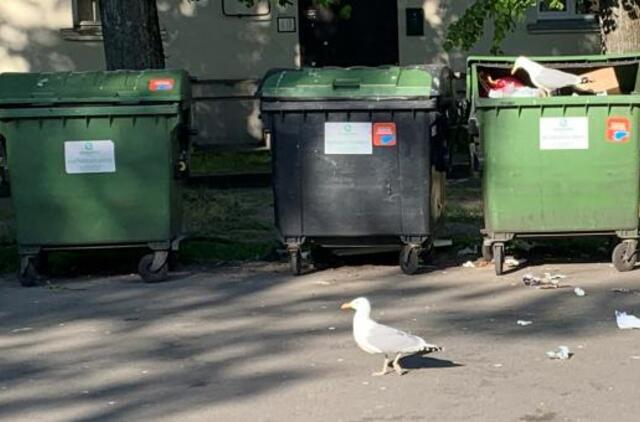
(624, 256)
(498, 257)
(410, 259)
(295, 261)
(28, 274)
(146, 271)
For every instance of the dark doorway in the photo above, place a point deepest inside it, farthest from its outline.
(349, 33)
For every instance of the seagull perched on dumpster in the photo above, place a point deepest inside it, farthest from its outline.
(545, 78)
(381, 339)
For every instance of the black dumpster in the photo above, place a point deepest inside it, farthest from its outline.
(359, 156)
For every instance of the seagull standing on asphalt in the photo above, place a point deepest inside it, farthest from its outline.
(547, 79)
(381, 339)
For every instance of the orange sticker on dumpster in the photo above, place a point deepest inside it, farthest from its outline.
(618, 130)
(161, 84)
(384, 134)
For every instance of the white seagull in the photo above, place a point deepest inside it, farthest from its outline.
(377, 338)
(545, 78)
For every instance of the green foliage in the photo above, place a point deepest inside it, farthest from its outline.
(505, 15)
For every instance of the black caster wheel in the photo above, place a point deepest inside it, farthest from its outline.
(295, 262)
(624, 257)
(487, 253)
(410, 259)
(498, 257)
(28, 274)
(150, 274)
(172, 260)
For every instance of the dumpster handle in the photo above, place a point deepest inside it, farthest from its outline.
(346, 83)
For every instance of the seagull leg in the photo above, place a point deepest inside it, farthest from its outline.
(396, 365)
(385, 367)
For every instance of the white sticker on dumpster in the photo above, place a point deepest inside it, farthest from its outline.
(348, 138)
(89, 157)
(564, 133)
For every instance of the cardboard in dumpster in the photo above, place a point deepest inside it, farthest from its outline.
(601, 80)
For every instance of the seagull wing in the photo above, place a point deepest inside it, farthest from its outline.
(552, 79)
(390, 340)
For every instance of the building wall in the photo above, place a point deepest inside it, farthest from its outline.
(229, 54)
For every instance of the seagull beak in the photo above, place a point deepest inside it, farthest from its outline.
(514, 69)
(346, 306)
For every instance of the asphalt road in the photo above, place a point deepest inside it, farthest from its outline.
(253, 343)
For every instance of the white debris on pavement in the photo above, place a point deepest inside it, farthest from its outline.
(469, 264)
(561, 353)
(513, 262)
(579, 292)
(627, 321)
(21, 330)
(549, 281)
(523, 323)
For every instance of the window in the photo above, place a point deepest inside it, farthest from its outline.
(572, 16)
(86, 13)
(239, 9)
(570, 10)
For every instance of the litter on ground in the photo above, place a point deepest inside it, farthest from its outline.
(513, 262)
(627, 321)
(579, 292)
(523, 322)
(561, 353)
(627, 291)
(548, 281)
(469, 264)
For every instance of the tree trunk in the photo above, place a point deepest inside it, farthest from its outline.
(620, 26)
(131, 33)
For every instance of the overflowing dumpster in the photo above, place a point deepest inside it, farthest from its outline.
(95, 161)
(565, 164)
(359, 156)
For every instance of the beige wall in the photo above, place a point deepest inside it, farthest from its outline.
(212, 46)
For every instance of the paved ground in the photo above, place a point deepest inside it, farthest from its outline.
(255, 344)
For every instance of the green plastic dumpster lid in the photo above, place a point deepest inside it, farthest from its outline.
(376, 83)
(94, 87)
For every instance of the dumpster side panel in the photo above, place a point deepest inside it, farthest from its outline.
(528, 189)
(131, 205)
(285, 131)
(319, 194)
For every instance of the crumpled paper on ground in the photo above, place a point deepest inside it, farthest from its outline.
(561, 353)
(627, 321)
(549, 281)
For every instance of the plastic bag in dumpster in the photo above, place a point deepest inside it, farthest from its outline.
(505, 87)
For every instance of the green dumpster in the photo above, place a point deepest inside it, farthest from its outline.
(94, 161)
(559, 165)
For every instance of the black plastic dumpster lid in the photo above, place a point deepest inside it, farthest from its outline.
(94, 87)
(379, 83)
